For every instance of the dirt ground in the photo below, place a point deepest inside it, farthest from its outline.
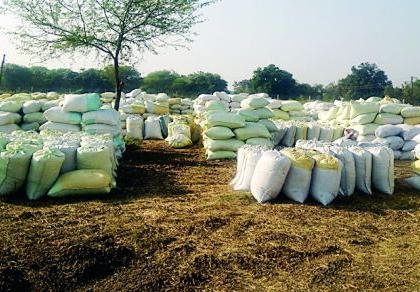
(174, 224)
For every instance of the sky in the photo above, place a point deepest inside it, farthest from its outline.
(318, 41)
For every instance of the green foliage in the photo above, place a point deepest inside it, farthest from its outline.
(190, 85)
(243, 86)
(115, 29)
(364, 81)
(31, 79)
(411, 95)
(274, 81)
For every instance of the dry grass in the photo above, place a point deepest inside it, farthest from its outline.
(174, 224)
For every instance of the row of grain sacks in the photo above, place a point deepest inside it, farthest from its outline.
(231, 102)
(82, 112)
(56, 164)
(402, 139)
(317, 170)
(291, 131)
(225, 132)
(25, 111)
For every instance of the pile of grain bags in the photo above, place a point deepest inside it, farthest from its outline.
(295, 110)
(181, 106)
(219, 138)
(44, 163)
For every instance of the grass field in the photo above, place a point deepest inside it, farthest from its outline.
(173, 223)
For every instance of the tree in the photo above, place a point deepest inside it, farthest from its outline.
(159, 81)
(114, 29)
(204, 82)
(411, 94)
(273, 81)
(364, 81)
(243, 86)
(331, 92)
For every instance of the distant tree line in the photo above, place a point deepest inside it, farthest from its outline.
(364, 80)
(31, 79)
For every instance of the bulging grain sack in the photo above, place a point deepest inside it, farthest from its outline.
(388, 119)
(411, 112)
(223, 119)
(261, 142)
(289, 138)
(363, 119)
(382, 169)
(14, 166)
(219, 133)
(248, 115)
(223, 145)
(98, 129)
(291, 105)
(35, 118)
(280, 115)
(298, 180)
(250, 160)
(134, 127)
(363, 162)
(387, 131)
(348, 172)
(263, 113)
(326, 177)
(269, 176)
(240, 165)
(95, 157)
(326, 134)
(109, 117)
(58, 115)
(314, 130)
(413, 182)
(82, 182)
(152, 128)
(252, 130)
(43, 172)
(32, 106)
(9, 118)
(81, 103)
(360, 108)
(254, 102)
(220, 155)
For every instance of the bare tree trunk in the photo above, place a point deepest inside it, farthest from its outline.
(118, 83)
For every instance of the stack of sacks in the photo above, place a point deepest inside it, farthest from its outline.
(200, 103)
(181, 106)
(159, 107)
(392, 137)
(362, 120)
(68, 116)
(219, 140)
(317, 108)
(179, 133)
(107, 99)
(278, 114)
(82, 112)
(259, 128)
(295, 110)
(33, 161)
(33, 114)
(292, 131)
(235, 101)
